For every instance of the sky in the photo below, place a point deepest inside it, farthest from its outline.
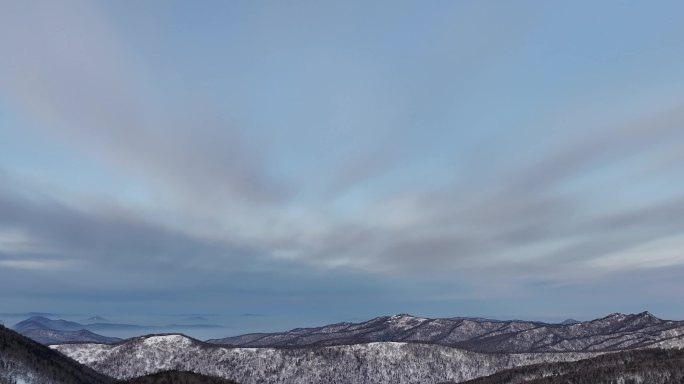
(266, 165)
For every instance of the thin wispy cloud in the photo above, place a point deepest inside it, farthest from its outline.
(266, 153)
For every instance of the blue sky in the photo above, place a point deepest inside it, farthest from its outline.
(312, 162)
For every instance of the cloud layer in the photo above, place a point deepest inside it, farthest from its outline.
(275, 156)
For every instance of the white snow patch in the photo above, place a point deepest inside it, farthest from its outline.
(165, 340)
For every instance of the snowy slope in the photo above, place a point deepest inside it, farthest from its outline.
(388, 362)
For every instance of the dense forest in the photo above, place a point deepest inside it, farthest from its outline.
(23, 360)
(178, 377)
(651, 366)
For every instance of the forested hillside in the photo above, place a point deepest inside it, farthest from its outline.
(25, 361)
(652, 366)
(178, 377)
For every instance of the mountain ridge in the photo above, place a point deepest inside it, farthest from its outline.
(57, 331)
(485, 348)
(47, 331)
(613, 332)
(371, 363)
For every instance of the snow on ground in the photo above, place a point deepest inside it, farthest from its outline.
(372, 363)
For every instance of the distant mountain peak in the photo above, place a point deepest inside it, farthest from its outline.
(38, 318)
(570, 322)
(647, 314)
(48, 331)
(641, 315)
(648, 318)
(96, 319)
(616, 316)
(44, 322)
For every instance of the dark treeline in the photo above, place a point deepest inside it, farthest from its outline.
(19, 354)
(177, 377)
(652, 366)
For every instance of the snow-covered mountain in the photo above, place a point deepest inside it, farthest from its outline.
(385, 362)
(24, 361)
(611, 333)
(399, 349)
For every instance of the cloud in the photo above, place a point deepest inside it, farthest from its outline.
(71, 73)
(252, 315)
(391, 166)
(109, 260)
(52, 265)
(531, 219)
(56, 234)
